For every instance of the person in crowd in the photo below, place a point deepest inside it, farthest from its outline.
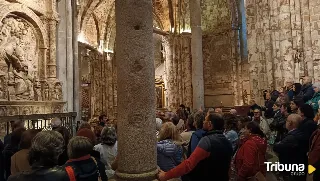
(297, 93)
(289, 87)
(253, 106)
(158, 126)
(234, 112)
(20, 161)
(316, 97)
(317, 116)
(186, 134)
(262, 122)
(81, 165)
(295, 104)
(211, 158)
(85, 124)
(313, 155)
(14, 125)
(45, 150)
(88, 133)
(103, 119)
(199, 117)
(306, 89)
(268, 104)
(11, 149)
(231, 127)
(289, 149)
(250, 158)
(55, 123)
(218, 110)
(307, 125)
(63, 158)
(182, 112)
(242, 122)
(278, 123)
(169, 153)
(283, 96)
(108, 149)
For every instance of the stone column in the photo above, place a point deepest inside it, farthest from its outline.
(76, 69)
(51, 64)
(136, 95)
(70, 53)
(196, 51)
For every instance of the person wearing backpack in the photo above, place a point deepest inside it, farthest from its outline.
(82, 166)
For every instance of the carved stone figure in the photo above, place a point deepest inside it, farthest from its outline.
(37, 90)
(23, 85)
(57, 92)
(46, 92)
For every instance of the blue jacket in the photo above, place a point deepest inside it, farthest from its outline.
(195, 138)
(169, 155)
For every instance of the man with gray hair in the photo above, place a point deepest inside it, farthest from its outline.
(290, 150)
(307, 89)
(45, 150)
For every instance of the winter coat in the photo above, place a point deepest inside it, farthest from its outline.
(169, 154)
(195, 138)
(314, 102)
(250, 157)
(314, 156)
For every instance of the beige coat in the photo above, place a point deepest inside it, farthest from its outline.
(19, 162)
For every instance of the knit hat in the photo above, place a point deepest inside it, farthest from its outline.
(85, 132)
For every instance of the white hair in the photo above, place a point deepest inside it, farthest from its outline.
(158, 124)
(317, 85)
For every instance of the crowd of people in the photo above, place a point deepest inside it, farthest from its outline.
(45, 155)
(194, 145)
(233, 147)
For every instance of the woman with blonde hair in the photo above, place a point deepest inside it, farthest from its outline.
(169, 150)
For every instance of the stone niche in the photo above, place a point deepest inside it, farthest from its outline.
(25, 87)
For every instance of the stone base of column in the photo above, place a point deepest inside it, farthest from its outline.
(148, 176)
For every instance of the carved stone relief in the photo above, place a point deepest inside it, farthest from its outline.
(24, 86)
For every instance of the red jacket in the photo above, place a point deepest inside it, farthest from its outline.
(314, 153)
(250, 157)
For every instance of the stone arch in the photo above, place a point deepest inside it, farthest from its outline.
(28, 15)
(24, 12)
(88, 12)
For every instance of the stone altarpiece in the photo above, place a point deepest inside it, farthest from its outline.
(28, 80)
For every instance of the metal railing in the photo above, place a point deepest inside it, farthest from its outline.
(39, 121)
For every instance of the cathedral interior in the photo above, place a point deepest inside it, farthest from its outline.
(128, 58)
(60, 56)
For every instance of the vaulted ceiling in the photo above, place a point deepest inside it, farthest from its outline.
(96, 18)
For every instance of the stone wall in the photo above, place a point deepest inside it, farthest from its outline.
(178, 69)
(98, 90)
(282, 42)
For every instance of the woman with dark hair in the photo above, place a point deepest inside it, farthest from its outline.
(63, 158)
(250, 158)
(295, 104)
(45, 150)
(297, 93)
(231, 128)
(108, 149)
(11, 149)
(81, 165)
(19, 161)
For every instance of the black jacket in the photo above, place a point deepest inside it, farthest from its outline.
(291, 151)
(42, 174)
(85, 169)
(307, 91)
(218, 163)
(307, 126)
(278, 124)
(268, 109)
